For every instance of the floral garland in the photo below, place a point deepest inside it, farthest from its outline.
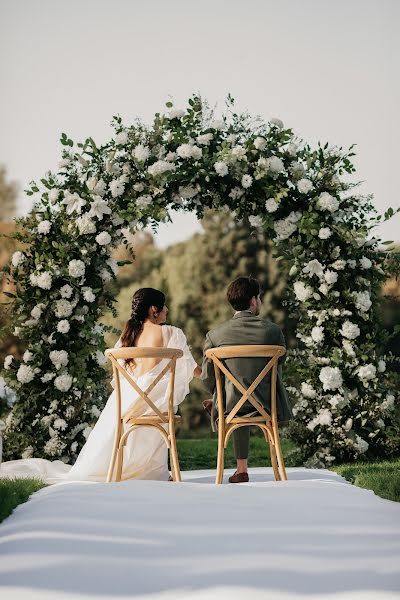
(189, 160)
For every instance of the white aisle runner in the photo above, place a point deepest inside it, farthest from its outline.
(315, 536)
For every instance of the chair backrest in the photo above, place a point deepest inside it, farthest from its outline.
(223, 352)
(115, 354)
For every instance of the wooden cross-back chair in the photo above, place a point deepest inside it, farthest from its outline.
(157, 419)
(268, 423)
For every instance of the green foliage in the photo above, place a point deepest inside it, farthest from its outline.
(382, 477)
(16, 491)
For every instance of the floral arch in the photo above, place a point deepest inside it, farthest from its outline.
(189, 160)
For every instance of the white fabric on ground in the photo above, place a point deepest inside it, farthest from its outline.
(315, 536)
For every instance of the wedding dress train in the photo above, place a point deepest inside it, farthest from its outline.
(145, 454)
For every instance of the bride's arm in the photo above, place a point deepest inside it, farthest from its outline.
(197, 371)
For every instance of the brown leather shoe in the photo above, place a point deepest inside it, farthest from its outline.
(239, 478)
(207, 405)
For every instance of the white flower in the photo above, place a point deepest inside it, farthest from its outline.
(330, 277)
(247, 180)
(331, 378)
(365, 263)
(361, 445)
(381, 366)
(324, 233)
(307, 390)
(284, 228)
(303, 292)
(317, 334)
(175, 113)
(348, 425)
(88, 294)
(271, 205)
(352, 263)
(255, 221)
(187, 191)
(91, 183)
(327, 202)
(59, 358)
(63, 326)
(116, 187)
(350, 330)
(66, 291)
(217, 124)
(99, 208)
(324, 416)
(100, 358)
(121, 138)
(260, 143)
(17, 258)
(105, 275)
(292, 149)
(95, 411)
(204, 139)
(25, 374)
(239, 153)
(362, 301)
(63, 308)
(73, 202)
(86, 432)
(367, 372)
(144, 201)
(141, 153)
(314, 267)
(60, 424)
(189, 151)
(297, 170)
(324, 289)
(275, 164)
(63, 382)
(304, 186)
(53, 195)
(160, 167)
(339, 265)
(47, 377)
(85, 224)
(44, 280)
(277, 122)
(103, 238)
(7, 361)
(348, 348)
(65, 162)
(100, 188)
(76, 268)
(388, 404)
(221, 168)
(44, 227)
(28, 356)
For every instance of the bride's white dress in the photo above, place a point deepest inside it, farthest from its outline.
(145, 455)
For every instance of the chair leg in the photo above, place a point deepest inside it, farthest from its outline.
(114, 456)
(279, 452)
(272, 452)
(120, 462)
(176, 472)
(221, 452)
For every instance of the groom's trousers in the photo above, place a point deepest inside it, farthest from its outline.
(241, 439)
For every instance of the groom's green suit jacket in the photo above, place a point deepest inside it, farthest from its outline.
(245, 328)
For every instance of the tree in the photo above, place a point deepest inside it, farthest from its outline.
(8, 197)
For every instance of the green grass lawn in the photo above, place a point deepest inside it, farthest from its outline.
(16, 491)
(382, 477)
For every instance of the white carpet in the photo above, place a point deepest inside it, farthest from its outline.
(315, 536)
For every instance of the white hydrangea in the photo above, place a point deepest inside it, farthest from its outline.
(324, 233)
(204, 139)
(304, 186)
(175, 113)
(221, 168)
(367, 372)
(285, 227)
(116, 187)
(297, 170)
(25, 374)
(7, 361)
(271, 205)
(76, 268)
(103, 238)
(187, 191)
(63, 326)
(292, 149)
(350, 330)
(44, 227)
(247, 180)
(189, 151)
(365, 263)
(362, 301)
(260, 143)
(59, 358)
(327, 202)
(141, 153)
(308, 391)
(95, 411)
(302, 291)
(88, 294)
(160, 167)
(239, 153)
(55, 446)
(352, 263)
(85, 225)
(331, 378)
(63, 382)
(63, 308)
(100, 358)
(86, 432)
(317, 334)
(100, 188)
(66, 291)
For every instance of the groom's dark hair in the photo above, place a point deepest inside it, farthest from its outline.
(241, 291)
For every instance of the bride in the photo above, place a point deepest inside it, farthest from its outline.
(145, 454)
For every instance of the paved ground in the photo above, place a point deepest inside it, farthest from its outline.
(315, 536)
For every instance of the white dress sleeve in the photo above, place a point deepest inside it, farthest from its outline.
(185, 365)
(120, 360)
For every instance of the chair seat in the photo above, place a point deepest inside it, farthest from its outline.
(150, 420)
(249, 420)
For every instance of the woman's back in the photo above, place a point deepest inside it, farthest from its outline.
(151, 336)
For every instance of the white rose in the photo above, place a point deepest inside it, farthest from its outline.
(59, 358)
(317, 334)
(339, 265)
(277, 122)
(324, 416)
(304, 186)
(76, 268)
(275, 164)
(204, 139)
(247, 180)
(25, 374)
(292, 149)
(63, 326)
(324, 233)
(365, 263)
(330, 277)
(17, 258)
(327, 202)
(307, 390)
(324, 289)
(331, 378)
(303, 292)
(63, 382)
(88, 294)
(28, 356)
(7, 361)
(176, 113)
(44, 280)
(362, 301)
(221, 168)
(348, 348)
(381, 366)
(53, 195)
(260, 143)
(367, 372)
(103, 238)
(350, 330)
(63, 308)
(85, 225)
(121, 138)
(44, 227)
(255, 221)
(271, 205)
(217, 124)
(66, 291)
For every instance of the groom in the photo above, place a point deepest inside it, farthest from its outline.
(247, 328)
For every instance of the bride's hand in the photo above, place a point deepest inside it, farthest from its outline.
(197, 371)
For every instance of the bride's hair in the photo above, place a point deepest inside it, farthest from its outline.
(141, 302)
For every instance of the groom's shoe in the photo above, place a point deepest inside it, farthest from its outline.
(207, 405)
(239, 478)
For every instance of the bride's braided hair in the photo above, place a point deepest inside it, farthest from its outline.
(142, 300)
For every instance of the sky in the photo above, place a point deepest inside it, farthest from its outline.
(328, 69)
